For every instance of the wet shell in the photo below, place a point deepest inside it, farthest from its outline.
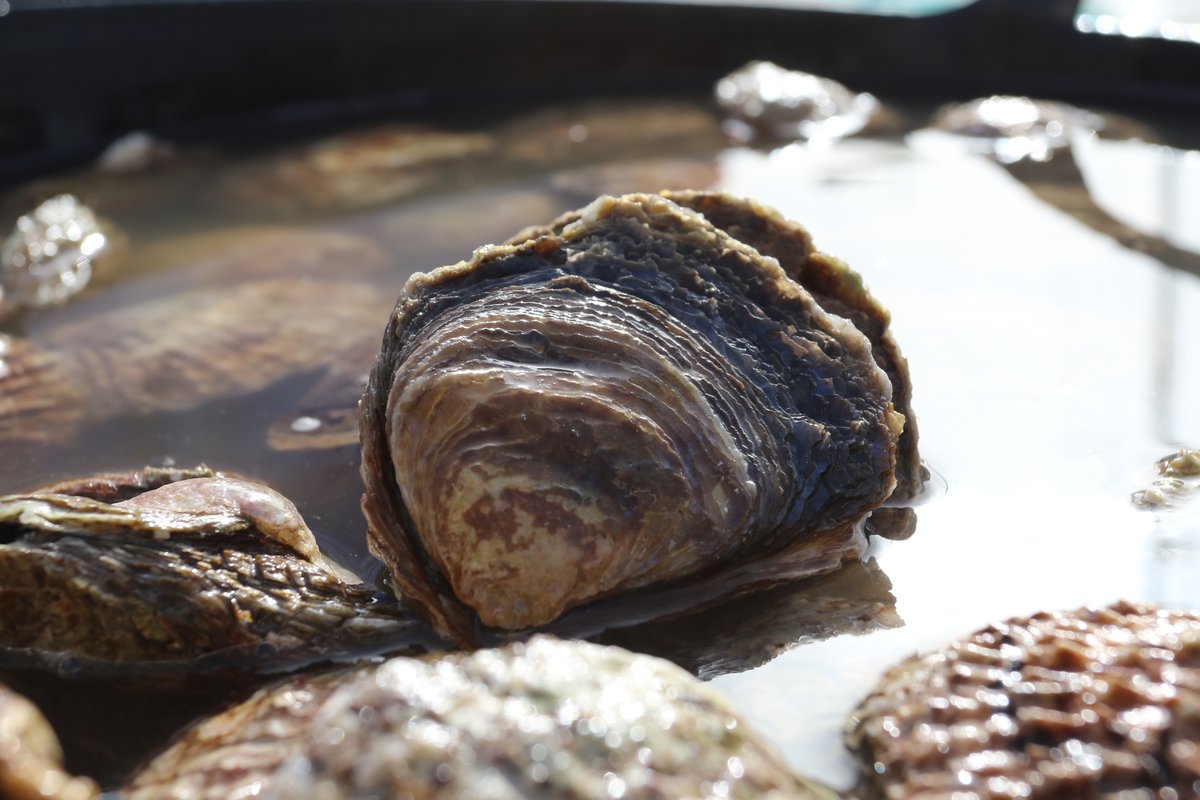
(629, 400)
(231, 325)
(353, 170)
(547, 719)
(31, 761)
(1091, 703)
(165, 567)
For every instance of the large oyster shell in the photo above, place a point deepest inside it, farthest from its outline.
(545, 719)
(1097, 702)
(628, 399)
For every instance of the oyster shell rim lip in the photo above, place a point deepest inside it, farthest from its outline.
(385, 510)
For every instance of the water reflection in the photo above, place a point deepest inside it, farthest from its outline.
(749, 631)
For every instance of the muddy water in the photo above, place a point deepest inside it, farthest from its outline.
(1052, 363)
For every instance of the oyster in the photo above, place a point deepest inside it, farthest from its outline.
(765, 99)
(1092, 703)
(31, 765)
(544, 719)
(262, 314)
(50, 255)
(625, 400)
(354, 170)
(166, 566)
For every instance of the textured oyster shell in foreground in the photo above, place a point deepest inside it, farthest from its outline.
(635, 400)
(544, 719)
(202, 566)
(1091, 703)
(30, 758)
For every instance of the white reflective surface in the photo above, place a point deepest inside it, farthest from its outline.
(1036, 347)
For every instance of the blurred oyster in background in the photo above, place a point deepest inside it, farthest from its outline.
(50, 255)
(31, 765)
(763, 99)
(1012, 128)
(239, 316)
(544, 719)
(1177, 483)
(354, 170)
(137, 151)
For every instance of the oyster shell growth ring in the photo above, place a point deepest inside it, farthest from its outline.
(628, 398)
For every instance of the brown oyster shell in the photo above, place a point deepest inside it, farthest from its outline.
(248, 313)
(1098, 702)
(545, 719)
(611, 342)
(838, 288)
(353, 170)
(31, 761)
(182, 567)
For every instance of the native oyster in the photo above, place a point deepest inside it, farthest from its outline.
(1092, 703)
(627, 399)
(174, 566)
(244, 315)
(543, 719)
(31, 765)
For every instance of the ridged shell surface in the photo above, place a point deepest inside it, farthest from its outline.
(1092, 703)
(626, 400)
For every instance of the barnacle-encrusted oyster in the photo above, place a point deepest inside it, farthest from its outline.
(544, 719)
(1098, 702)
(167, 566)
(625, 399)
(31, 765)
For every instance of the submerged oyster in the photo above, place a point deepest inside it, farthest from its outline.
(627, 399)
(233, 324)
(354, 170)
(31, 765)
(172, 566)
(545, 719)
(1092, 703)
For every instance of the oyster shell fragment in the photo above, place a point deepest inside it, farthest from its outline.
(629, 398)
(545, 719)
(1091, 703)
(31, 761)
(206, 565)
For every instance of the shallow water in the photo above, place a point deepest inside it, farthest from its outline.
(1051, 365)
